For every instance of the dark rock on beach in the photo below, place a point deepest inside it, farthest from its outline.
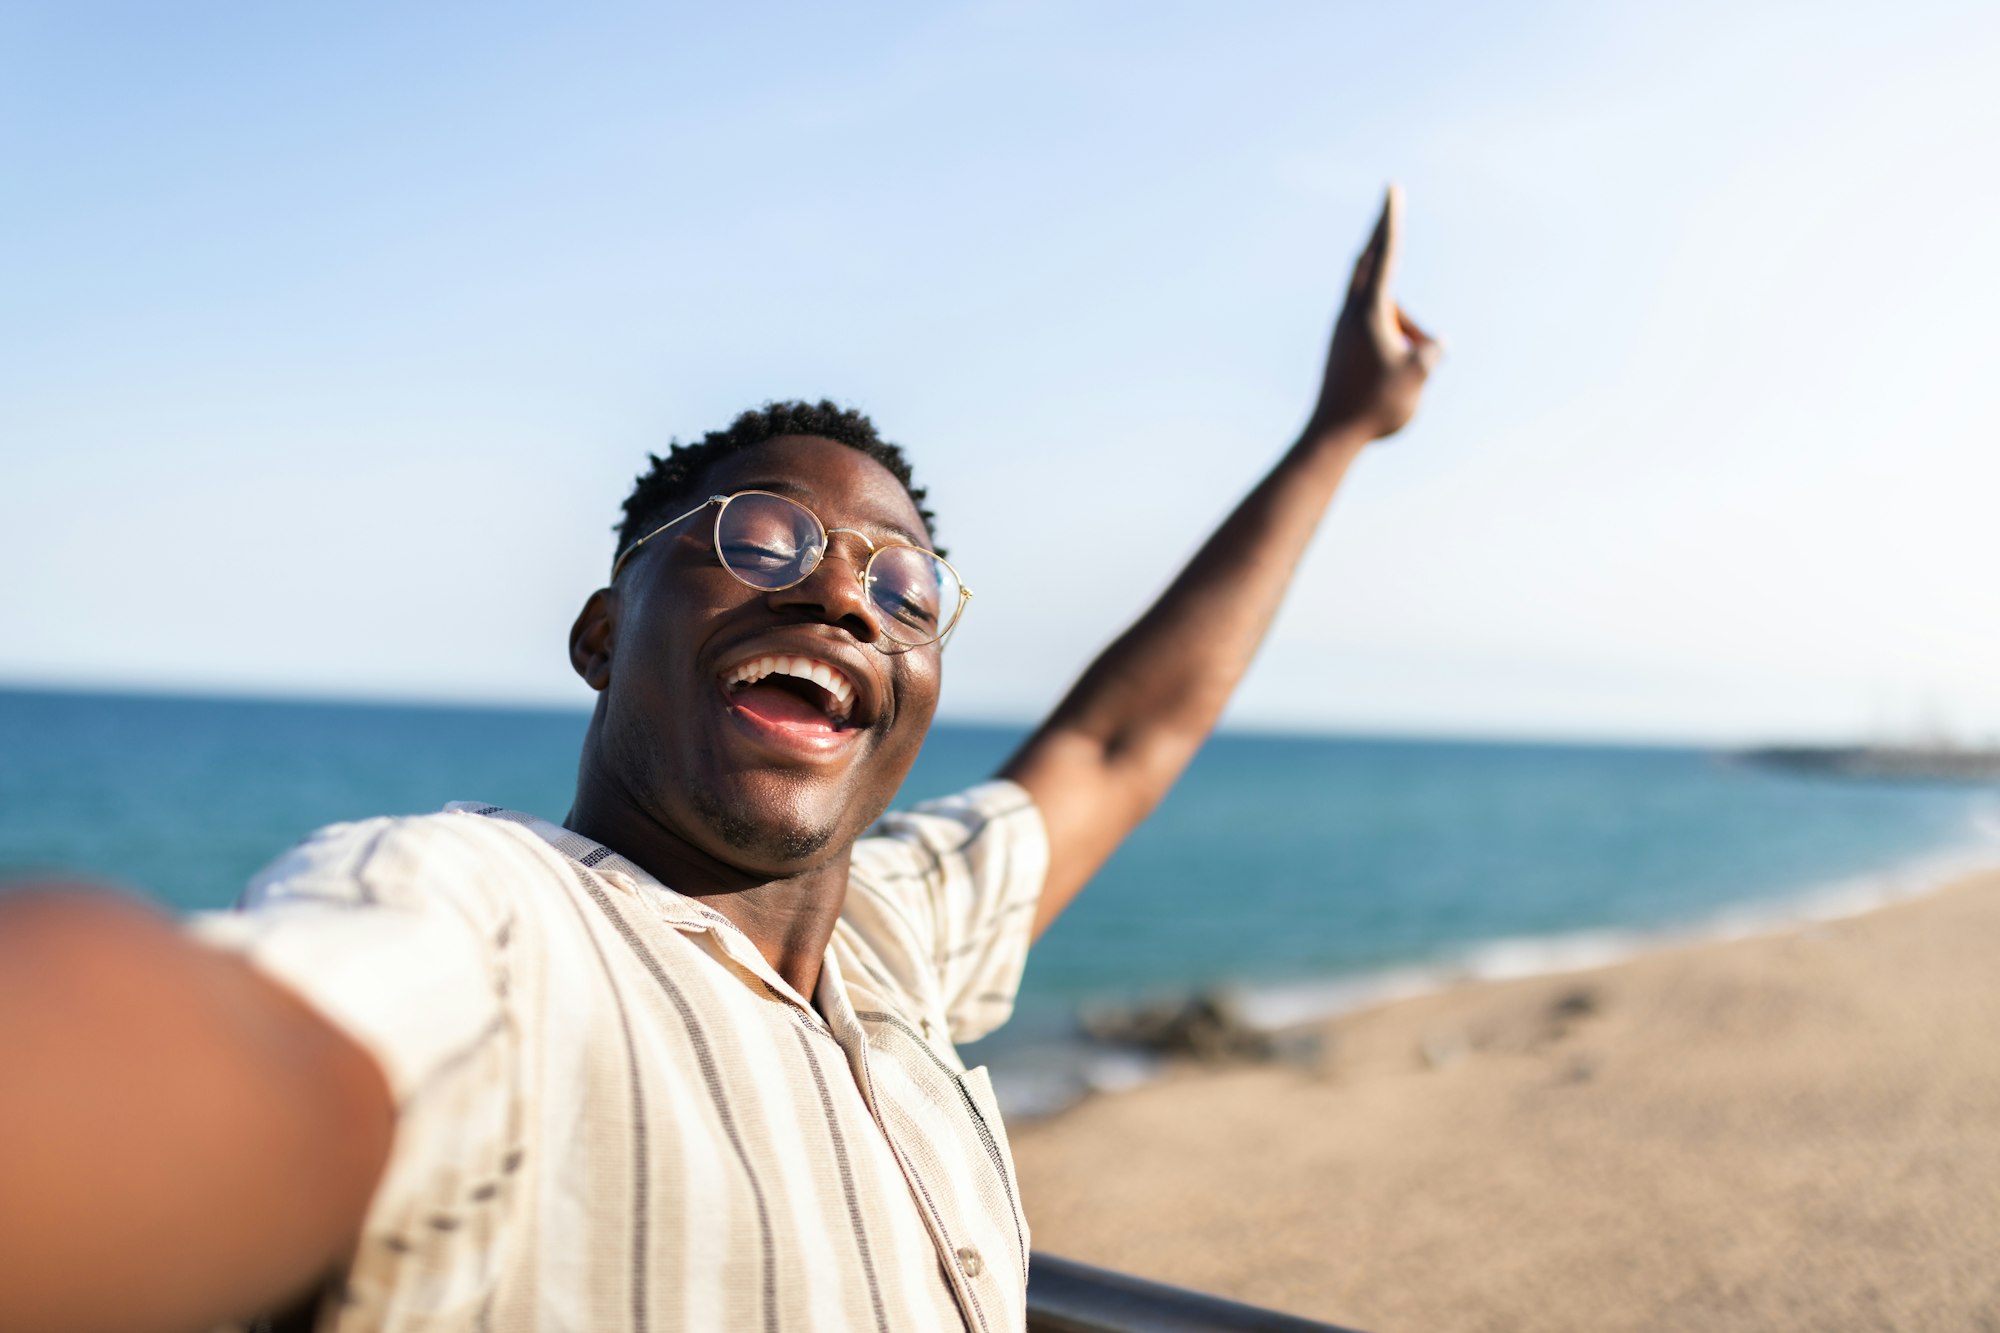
(1208, 1027)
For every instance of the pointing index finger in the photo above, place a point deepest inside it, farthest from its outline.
(1383, 248)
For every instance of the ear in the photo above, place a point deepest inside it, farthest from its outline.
(592, 637)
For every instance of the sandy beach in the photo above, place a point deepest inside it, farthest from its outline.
(1799, 1131)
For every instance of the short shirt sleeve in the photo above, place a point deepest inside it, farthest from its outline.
(398, 932)
(942, 898)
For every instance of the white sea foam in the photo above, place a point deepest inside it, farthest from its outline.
(1511, 959)
(1041, 1085)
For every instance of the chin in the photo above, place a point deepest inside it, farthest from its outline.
(780, 839)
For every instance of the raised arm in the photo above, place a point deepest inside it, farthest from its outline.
(1128, 728)
(181, 1140)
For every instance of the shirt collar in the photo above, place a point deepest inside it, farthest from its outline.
(676, 909)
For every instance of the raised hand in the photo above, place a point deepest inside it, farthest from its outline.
(1108, 753)
(1376, 368)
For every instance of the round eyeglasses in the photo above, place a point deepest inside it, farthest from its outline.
(771, 543)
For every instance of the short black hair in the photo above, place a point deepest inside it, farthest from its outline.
(670, 480)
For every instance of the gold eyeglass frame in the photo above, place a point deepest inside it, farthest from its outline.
(862, 575)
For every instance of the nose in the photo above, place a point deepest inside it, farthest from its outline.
(833, 592)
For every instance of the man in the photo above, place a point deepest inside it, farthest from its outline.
(687, 1061)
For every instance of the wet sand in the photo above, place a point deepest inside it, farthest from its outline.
(1794, 1132)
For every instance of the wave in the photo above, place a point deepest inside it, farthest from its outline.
(1048, 1076)
(1518, 958)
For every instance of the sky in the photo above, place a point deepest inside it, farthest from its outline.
(332, 337)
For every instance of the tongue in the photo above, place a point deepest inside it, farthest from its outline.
(779, 707)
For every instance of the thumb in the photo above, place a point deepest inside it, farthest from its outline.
(1427, 350)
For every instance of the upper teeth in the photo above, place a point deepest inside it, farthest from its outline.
(805, 668)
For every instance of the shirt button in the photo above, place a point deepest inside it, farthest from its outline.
(968, 1259)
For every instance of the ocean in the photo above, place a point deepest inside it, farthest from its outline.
(1304, 874)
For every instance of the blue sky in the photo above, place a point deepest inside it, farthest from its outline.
(329, 341)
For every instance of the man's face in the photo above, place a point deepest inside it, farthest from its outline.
(774, 774)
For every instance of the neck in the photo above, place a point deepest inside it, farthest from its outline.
(788, 914)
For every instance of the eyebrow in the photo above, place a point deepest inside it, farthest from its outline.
(804, 495)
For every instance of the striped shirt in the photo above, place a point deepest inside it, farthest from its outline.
(613, 1114)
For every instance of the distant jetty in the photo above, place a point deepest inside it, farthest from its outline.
(1897, 763)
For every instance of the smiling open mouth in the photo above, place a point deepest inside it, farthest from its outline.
(791, 692)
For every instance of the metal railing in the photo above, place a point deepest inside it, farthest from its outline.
(1065, 1296)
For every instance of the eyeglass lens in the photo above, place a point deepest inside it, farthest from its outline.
(770, 542)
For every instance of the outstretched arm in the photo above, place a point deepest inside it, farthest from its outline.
(1128, 728)
(181, 1141)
